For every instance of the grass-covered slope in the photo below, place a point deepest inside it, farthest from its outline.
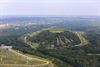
(12, 58)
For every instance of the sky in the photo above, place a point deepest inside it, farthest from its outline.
(50, 7)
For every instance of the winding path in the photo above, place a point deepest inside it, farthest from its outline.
(82, 39)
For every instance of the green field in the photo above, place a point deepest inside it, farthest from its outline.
(10, 59)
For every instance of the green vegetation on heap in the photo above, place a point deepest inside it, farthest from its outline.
(54, 38)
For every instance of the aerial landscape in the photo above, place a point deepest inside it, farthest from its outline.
(32, 37)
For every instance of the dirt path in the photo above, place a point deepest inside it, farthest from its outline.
(39, 65)
(82, 39)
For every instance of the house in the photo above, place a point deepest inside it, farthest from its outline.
(6, 47)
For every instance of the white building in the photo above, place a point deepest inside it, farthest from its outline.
(6, 47)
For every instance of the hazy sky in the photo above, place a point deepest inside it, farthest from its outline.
(50, 7)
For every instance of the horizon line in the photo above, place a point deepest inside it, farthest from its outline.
(45, 15)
